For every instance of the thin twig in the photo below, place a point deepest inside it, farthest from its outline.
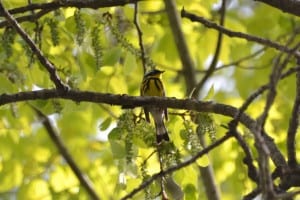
(44, 61)
(29, 17)
(248, 57)
(213, 64)
(231, 33)
(248, 160)
(140, 35)
(268, 86)
(84, 180)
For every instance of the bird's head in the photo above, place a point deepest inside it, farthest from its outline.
(154, 73)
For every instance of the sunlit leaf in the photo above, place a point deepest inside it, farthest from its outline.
(118, 149)
(11, 175)
(36, 189)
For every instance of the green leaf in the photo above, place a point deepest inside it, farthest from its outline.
(105, 124)
(203, 161)
(115, 134)
(130, 63)
(35, 189)
(111, 57)
(11, 175)
(5, 85)
(62, 178)
(210, 94)
(118, 149)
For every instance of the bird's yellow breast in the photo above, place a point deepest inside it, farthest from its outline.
(153, 87)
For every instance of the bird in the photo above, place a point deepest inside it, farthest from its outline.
(152, 85)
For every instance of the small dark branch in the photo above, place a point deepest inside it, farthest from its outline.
(46, 63)
(248, 160)
(84, 181)
(213, 64)
(260, 91)
(177, 167)
(182, 48)
(30, 17)
(274, 79)
(276, 156)
(289, 6)
(248, 57)
(245, 36)
(265, 180)
(140, 35)
(293, 125)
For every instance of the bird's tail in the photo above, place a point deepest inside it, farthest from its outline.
(161, 131)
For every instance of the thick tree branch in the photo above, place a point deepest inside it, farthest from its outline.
(132, 101)
(84, 180)
(124, 100)
(43, 60)
(289, 6)
(245, 36)
(111, 99)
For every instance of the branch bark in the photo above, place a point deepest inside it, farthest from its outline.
(132, 101)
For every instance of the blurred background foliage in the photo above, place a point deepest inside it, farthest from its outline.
(98, 50)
